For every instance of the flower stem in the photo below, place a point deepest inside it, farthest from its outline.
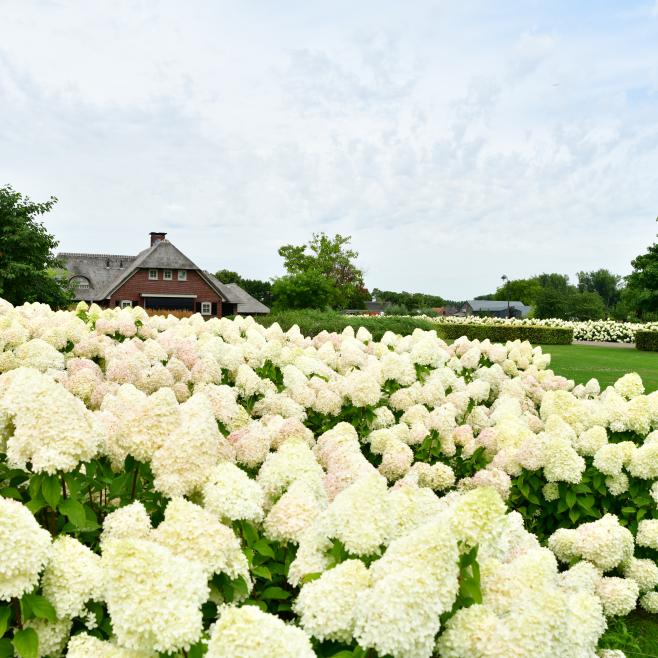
(16, 605)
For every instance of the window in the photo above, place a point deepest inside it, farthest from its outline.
(182, 275)
(166, 275)
(126, 303)
(79, 282)
(206, 308)
(153, 275)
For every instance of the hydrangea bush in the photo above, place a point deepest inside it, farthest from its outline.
(595, 330)
(182, 487)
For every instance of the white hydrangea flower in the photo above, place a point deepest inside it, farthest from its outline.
(649, 602)
(643, 571)
(618, 595)
(326, 606)
(52, 429)
(85, 646)
(231, 494)
(24, 549)
(130, 521)
(72, 577)
(647, 533)
(185, 460)
(248, 632)
(153, 596)
(630, 385)
(412, 584)
(191, 531)
(53, 636)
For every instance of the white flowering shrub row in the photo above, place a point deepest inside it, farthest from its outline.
(187, 488)
(595, 330)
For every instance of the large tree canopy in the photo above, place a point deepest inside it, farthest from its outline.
(333, 259)
(603, 282)
(29, 271)
(642, 283)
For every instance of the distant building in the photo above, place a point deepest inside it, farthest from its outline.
(496, 309)
(160, 277)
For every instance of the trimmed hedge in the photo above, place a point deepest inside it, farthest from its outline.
(499, 333)
(646, 341)
(312, 323)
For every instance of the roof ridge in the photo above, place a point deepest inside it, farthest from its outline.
(76, 253)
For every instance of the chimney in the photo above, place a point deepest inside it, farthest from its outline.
(156, 237)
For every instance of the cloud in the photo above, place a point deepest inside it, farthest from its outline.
(452, 143)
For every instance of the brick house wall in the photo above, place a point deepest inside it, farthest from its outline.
(139, 283)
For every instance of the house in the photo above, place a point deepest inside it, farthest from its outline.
(496, 308)
(160, 277)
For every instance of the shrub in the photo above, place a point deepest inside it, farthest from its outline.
(312, 323)
(646, 340)
(498, 333)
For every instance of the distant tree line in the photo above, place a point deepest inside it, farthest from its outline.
(323, 274)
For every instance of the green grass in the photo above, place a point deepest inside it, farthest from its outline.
(607, 364)
(636, 635)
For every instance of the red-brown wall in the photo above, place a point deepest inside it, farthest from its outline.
(139, 283)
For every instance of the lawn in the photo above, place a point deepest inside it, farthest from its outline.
(607, 364)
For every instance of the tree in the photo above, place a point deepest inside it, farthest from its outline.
(551, 303)
(523, 290)
(260, 290)
(603, 282)
(642, 282)
(585, 306)
(333, 259)
(302, 290)
(29, 270)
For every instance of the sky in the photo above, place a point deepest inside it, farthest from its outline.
(455, 141)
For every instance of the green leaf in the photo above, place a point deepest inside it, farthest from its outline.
(26, 643)
(6, 650)
(36, 504)
(262, 547)
(275, 593)
(574, 514)
(35, 486)
(311, 576)
(5, 614)
(263, 572)
(11, 492)
(40, 606)
(197, 650)
(75, 512)
(342, 654)
(570, 499)
(51, 491)
(259, 604)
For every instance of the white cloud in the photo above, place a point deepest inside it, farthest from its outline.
(453, 143)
